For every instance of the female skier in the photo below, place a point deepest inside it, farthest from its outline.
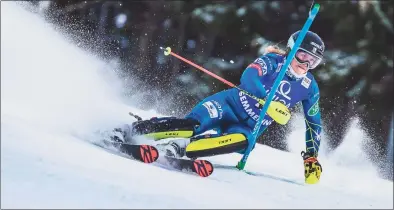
(233, 114)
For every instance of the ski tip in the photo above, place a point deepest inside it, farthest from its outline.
(149, 154)
(203, 168)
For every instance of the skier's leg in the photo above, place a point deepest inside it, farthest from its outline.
(233, 139)
(211, 114)
(204, 116)
(215, 112)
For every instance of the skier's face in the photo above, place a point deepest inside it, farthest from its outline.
(303, 61)
(300, 69)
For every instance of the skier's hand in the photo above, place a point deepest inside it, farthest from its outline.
(313, 169)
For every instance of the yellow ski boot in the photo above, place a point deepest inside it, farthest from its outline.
(312, 167)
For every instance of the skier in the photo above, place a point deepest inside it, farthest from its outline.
(233, 113)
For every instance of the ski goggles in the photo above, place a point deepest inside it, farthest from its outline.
(305, 57)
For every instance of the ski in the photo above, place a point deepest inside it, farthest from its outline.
(142, 152)
(149, 154)
(202, 168)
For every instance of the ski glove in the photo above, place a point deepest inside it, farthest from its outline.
(313, 169)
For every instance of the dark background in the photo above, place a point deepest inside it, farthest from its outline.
(356, 78)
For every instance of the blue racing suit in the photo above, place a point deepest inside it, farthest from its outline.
(231, 111)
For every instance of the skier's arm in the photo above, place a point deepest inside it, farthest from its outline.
(251, 77)
(312, 120)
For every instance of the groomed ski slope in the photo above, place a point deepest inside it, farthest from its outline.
(54, 96)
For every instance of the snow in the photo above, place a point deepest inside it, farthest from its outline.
(55, 96)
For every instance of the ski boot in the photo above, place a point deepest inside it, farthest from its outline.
(173, 148)
(113, 138)
(312, 167)
(118, 135)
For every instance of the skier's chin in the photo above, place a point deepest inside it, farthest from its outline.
(301, 70)
(296, 72)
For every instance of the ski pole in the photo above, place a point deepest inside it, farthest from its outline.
(278, 111)
(169, 52)
(252, 141)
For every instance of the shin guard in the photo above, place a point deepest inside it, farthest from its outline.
(209, 145)
(165, 127)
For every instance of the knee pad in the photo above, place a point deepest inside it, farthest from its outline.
(165, 127)
(209, 145)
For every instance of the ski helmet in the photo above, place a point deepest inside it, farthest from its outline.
(312, 45)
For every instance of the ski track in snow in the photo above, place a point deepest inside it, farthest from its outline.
(54, 95)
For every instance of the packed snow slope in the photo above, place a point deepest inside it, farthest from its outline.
(54, 95)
